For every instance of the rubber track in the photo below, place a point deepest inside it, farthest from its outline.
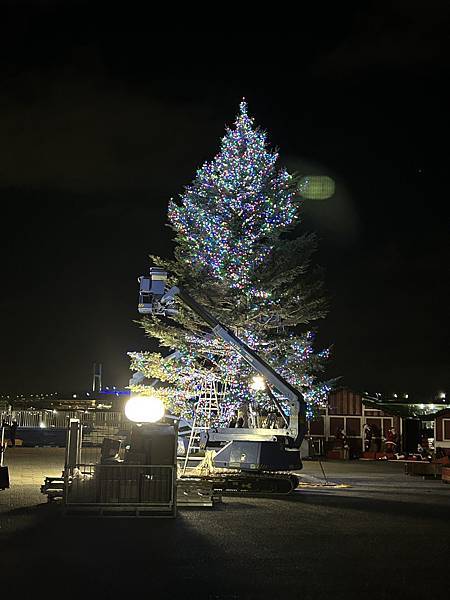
(248, 484)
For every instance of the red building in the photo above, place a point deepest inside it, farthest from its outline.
(442, 430)
(350, 411)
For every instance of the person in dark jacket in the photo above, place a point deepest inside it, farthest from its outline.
(367, 437)
(3, 436)
(233, 420)
(12, 432)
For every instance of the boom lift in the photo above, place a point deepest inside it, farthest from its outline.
(259, 459)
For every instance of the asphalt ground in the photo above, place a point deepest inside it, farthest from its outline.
(385, 535)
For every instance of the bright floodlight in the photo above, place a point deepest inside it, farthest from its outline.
(144, 409)
(258, 384)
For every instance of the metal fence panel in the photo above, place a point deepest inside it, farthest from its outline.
(109, 486)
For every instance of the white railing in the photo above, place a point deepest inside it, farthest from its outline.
(52, 418)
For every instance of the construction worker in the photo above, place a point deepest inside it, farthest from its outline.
(242, 414)
(233, 420)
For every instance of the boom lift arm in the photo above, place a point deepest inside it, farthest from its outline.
(153, 299)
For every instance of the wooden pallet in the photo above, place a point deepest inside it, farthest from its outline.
(196, 493)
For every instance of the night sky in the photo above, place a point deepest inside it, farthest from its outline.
(105, 116)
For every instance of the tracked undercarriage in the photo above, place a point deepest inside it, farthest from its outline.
(237, 481)
(247, 483)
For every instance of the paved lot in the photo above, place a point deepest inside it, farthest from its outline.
(384, 536)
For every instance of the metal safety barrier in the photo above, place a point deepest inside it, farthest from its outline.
(122, 489)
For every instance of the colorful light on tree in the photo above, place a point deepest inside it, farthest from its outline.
(239, 254)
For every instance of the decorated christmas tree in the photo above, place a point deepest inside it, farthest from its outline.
(240, 254)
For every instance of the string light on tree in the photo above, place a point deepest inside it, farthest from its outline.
(258, 384)
(238, 254)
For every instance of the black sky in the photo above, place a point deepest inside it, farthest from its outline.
(104, 116)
